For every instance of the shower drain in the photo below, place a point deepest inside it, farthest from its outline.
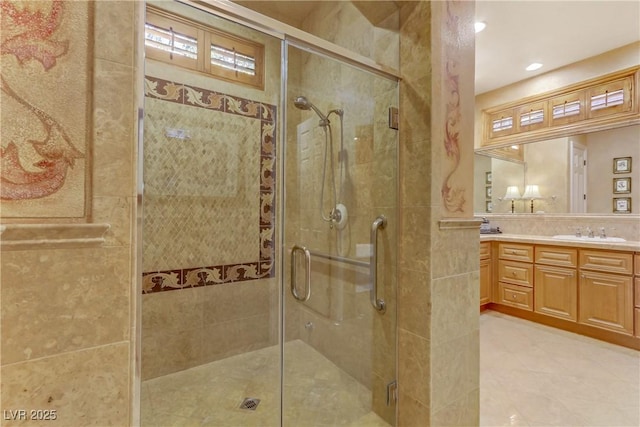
(250, 403)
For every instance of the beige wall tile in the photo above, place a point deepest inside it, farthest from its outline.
(415, 236)
(451, 298)
(222, 340)
(57, 301)
(113, 132)
(463, 412)
(412, 413)
(165, 352)
(455, 251)
(455, 370)
(414, 302)
(118, 213)
(114, 22)
(87, 387)
(414, 366)
(231, 301)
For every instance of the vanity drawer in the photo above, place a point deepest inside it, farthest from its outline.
(606, 261)
(553, 255)
(515, 296)
(515, 252)
(485, 250)
(637, 263)
(517, 273)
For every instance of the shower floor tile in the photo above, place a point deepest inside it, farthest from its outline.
(316, 393)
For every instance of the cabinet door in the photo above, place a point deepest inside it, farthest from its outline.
(485, 281)
(556, 292)
(606, 301)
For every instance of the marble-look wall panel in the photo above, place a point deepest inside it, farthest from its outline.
(455, 373)
(416, 183)
(452, 296)
(114, 130)
(89, 387)
(415, 370)
(62, 301)
(356, 28)
(188, 327)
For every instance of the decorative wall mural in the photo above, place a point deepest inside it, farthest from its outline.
(44, 48)
(453, 197)
(220, 186)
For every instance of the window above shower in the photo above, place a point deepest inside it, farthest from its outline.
(185, 43)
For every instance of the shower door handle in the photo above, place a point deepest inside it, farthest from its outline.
(294, 276)
(378, 304)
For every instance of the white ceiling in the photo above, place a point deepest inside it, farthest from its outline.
(554, 33)
(519, 32)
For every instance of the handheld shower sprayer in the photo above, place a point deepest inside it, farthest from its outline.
(337, 216)
(303, 103)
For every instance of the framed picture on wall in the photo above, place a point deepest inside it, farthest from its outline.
(621, 185)
(487, 177)
(489, 207)
(622, 165)
(622, 205)
(488, 192)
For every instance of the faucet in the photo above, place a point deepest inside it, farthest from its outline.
(578, 232)
(603, 235)
(590, 232)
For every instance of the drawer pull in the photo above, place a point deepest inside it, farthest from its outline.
(514, 296)
(514, 273)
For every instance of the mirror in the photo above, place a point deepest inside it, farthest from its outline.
(563, 179)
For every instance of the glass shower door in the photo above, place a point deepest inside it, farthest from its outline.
(339, 261)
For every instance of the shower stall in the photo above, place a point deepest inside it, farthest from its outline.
(269, 236)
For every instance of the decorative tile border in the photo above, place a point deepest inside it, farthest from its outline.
(159, 281)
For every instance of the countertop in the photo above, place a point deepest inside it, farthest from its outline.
(548, 240)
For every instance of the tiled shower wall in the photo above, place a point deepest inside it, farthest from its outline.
(209, 290)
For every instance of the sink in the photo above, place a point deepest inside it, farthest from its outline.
(589, 239)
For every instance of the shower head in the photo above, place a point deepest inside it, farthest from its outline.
(303, 103)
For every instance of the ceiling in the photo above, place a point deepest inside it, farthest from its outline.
(519, 32)
(554, 33)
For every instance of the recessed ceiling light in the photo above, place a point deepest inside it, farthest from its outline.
(479, 26)
(534, 66)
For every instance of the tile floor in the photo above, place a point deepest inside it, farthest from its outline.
(530, 375)
(534, 375)
(317, 393)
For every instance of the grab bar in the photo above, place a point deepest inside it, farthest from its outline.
(307, 257)
(378, 304)
(341, 259)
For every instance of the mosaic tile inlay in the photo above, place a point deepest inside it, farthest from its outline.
(179, 278)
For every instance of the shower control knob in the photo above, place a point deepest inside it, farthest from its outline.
(309, 326)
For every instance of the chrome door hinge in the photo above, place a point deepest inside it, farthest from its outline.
(394, 118)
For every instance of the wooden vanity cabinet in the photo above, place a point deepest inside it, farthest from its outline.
(485, 273)
(637, 294)
(606, 290)
(515, 275)
(556, 282)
